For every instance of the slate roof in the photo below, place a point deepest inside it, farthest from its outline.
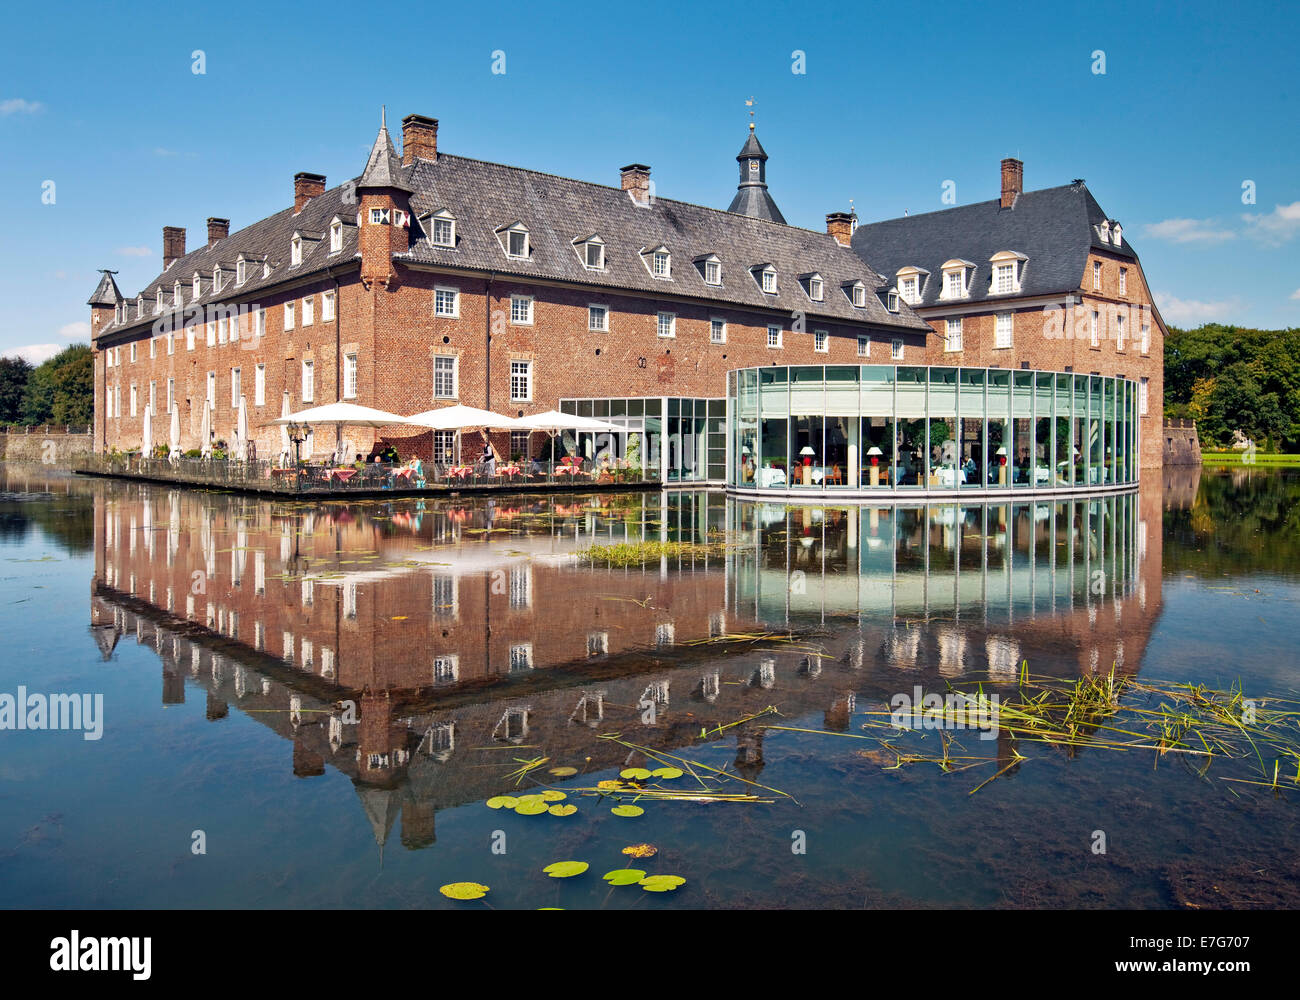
(483, 197)
(1054, 228)
(106, 292)
(557, 210)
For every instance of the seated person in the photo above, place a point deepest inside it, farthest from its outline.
(360, 463)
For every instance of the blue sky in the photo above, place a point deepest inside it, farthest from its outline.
(1196, 100)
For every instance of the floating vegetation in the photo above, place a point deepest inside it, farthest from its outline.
(628, 811)
(533, 807)
(641, 850)
(566, 869)
(634, 773)
(568, 809)
(661, 883)
(553, 795)
(464, 890)
(624, 876)
(564, 772)
(639, 553)
(502, 802)
(667, 773)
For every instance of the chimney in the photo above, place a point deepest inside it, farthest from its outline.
(218, 230)
(840, 225)
(636, 180)
(305, 188)
(419, 139)
(1013, 181)
(173, 245)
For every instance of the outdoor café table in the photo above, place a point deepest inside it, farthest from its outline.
(405, 473)
(282, 473)
(343, 474)
(509, 470)
(459, 471)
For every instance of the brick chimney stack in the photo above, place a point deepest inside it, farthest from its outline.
(305, 188)
(636, 179)
(173, 245)
(218, 230)
(1013, 181)
(419, 139)
(840, 225)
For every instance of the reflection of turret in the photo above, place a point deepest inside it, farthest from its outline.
(381, 807)
(217, 709)
(106, 637)
(749, 751)
(307, 762)
(417, 824)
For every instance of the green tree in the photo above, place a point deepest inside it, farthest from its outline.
(14, 373)
(62, 389)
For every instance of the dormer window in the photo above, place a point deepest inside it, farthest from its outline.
(1104, 229)
(956, 279)
(514, 240)
(591, 251)
(815, 287)
(197, 287)
(139, 307)
(1007, 269)
(765, 275)
(661, 264)
(177, 298)
(857, 293)
(216, 278)
(1117, 235)
(336, 236)
(710, 269)
(241, 271)
(295, 250)
(911, 282)
(891, 301)
(442, 229)
(158, 303)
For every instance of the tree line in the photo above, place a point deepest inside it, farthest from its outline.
(58, 391)
(1230, 378)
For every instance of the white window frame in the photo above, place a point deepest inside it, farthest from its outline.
(133, 399)
(909, 287)
(511, 233)
(1004, 278)
(295, 251)
(443, 361)
(211, 396)
(308, 310)
(259, 384)
(717, 330)
(1120, 331)
(259, 327)
(443, 218)
(440, 294)
(775, 336)
(522, 369)
(858, 295)
(336, 236)
(153, 347)
(171, 394)
(133, 352)
(241, 271)
(670, 325)
(1146, 338)
(521, 305)
(587, 247)
(1144, 395)
(896, 349)
(957, 274)
(821, 341)
(288, 315)
(380, 217)
(308, 385)
(236, 384)
(326, 306)
(767, 281)
(864, 346)
(713, 267)
(661, 264)
(1003, 330)
(350, 375)
(597, 317)
(1096, 275)
(1094, 331)
(1123, 281)
(189, 337)
(952, 336)
(816, 288)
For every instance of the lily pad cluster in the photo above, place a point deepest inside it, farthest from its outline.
(534, 804)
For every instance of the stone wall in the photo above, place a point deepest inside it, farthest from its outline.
(51, 446)
(1181, 445)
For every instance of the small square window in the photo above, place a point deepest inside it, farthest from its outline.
(769, 282)
(712, 272)
(773, 336)
(521, 309)
(821, 342)
(815, 289)
(717, 331)
(379, 217)
(446, 302)
(864, 347)
(598, 318)
(896, 350)
(595, 256)
(667, 324)
(517, 243)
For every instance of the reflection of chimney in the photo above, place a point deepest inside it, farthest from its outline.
(636, 179)
(419, 139)
(305, 188)
(173, 245)
(217, 709)
(1013, 181)
(173, 691)
(218, 230)
(840, 225)
(307, 763)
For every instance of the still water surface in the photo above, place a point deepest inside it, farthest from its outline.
(330, 694)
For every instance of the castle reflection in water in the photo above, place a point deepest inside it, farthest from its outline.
(393, 641)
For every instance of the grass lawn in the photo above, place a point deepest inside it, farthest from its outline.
(1259, 458)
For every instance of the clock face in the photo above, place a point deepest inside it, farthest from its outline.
(753, 168)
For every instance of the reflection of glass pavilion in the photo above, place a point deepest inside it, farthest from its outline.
(838, 429)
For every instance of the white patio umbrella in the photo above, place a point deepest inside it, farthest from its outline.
(457, 418)
(205, 430)
(241, 430)
(146, 433)
(341, 415)
(553, 422)
(174, 432)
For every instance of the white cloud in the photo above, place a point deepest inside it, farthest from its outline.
(1189, 231)
(34, 353)
(17, 106)
(133, 251)
(1277, 226)
(1296, 294)
(1183, 312)
(77, 329)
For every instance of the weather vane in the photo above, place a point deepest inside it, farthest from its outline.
(750, 104)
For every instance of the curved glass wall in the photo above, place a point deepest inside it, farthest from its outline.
(901, 429)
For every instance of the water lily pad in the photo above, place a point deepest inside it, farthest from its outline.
(566, 869)
(564, 772)
(568, 809)
(634, 773)
(609, 784)
(531, 808)
(627, 811)
(624, 876)
(667, 772)
(662, 883)
(464, 890)
(531, 797)
(502, 802)
(641, 850)
(553, 795)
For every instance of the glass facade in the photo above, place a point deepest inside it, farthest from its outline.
(685, 438)
(887, 428)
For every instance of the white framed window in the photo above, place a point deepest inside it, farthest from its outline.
(859, 295)
(1004, 278)
(444, 451)
(712, 272)
(350, 376)
(815, 288)
(309, 310)
(326, 306)
(821, 341)
(952, 335)
(171, 393)
(521, 381)
(717, 331)
(446, 302)
(443, 229)
(241, 271)
(308, 381)
(666, 324)
(446, 669)
(212, 388)
(891, 301)
(773, 336)
(178, 299)
(139, 306)
(171, 343)
(896, 350)
(1121, 330)
(1094, 329)
(521, 310)
(153, 347)
(444, 377)
(1146, 338)
(133, 399)
(521, 657)
(259, 385)
(598, 318)
(1002, 330)
(259, 322)
(189, 336)
(212, 333)
(954, 284)
(158, 303)
(380, 217)
(1123, 281)
(769, 281)
(1143, 388)
(864, 346)
(133, 352)
(521, 587)
(593, 255)
(1096, 275)
(517, 242)
(661, 264)
(336, 236)
(222, 333)
(295, 251)
(234, 388)
(288, 315)
(907, 288)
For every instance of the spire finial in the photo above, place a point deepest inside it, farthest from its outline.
(383, 116)
(750, 104)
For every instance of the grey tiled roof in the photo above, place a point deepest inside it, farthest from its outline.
(556, 210)
(106, 292)
(1054, 228)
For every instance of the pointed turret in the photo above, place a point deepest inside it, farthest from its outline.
(385, 217)
(106, 292)
(384, 168)
(752, 197)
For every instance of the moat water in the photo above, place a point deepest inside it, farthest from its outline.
(308, 705)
